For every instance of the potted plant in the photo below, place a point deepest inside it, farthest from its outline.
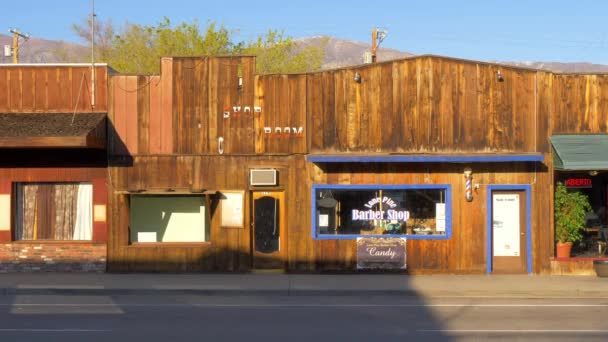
(570, 210)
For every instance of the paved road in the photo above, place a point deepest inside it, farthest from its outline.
(299, 318)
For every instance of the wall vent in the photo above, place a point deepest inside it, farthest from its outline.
(263, 177)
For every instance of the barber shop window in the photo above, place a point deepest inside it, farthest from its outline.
(168, 218)
(351, 211)
(54, 211)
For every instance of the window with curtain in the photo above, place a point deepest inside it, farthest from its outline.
(54, 211)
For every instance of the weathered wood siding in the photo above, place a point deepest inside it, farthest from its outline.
(426, 104)
(419, 105)
(52, 88)
(229, 248)
(282, 99)
(182, 111)
(169, 126)
(580, 103)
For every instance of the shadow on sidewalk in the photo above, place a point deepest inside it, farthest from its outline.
(364, 315)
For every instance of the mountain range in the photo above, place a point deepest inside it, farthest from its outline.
(338, 53)
(37, 50)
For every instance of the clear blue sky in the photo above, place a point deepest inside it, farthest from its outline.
(565, 31)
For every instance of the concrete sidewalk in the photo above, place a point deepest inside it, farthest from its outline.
(298, 284)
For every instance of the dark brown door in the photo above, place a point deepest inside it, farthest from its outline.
(268, 230)
(509, 232)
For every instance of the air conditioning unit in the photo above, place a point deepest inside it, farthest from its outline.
(266, 177)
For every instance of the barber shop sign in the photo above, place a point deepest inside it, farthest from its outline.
(369, 213)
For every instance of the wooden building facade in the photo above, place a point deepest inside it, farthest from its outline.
(207, 127)
(53, 170)
(210, 167)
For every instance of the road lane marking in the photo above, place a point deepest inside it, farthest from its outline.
(60, 287)
(53, 330)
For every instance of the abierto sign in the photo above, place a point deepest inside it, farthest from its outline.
(381, 253)
(579, 183)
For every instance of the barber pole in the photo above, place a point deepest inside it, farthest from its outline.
(468, 184)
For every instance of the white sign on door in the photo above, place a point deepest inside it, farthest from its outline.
(505, 224)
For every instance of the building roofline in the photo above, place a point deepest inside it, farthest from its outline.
(49, 64)
(463, 60)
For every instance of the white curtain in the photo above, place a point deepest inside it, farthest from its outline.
(84, 216)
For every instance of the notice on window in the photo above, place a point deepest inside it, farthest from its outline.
(232, 209)
(440, 211)
(505, 224)
(440, 217)
(440, 227)
(323, 220)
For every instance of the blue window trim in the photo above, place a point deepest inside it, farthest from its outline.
(521, 187)
(495, 158)
(448, 210)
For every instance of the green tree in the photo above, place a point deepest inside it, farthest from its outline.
(138, 48)
(276, 53)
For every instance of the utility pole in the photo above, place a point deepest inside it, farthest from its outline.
(93, 54)
(16, 35)
(374, 44)
(377, 37)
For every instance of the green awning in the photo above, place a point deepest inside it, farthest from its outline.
(580, 151)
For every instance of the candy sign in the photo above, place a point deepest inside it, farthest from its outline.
(381, 253)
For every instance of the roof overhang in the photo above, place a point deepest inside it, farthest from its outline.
(170, 191)
(53, 130)
(425, 158)
(580, 151)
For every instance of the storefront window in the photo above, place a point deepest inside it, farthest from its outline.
(168, 218)
(594, 185)
(349, 211)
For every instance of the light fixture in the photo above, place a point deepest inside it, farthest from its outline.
(239, 75)
(593, 173)
(327, 200)
(357, 77)
(382, 33)
(499, 76)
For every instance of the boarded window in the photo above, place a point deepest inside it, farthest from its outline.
(54, 211)
(166, 218)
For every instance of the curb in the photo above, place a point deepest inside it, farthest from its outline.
(201, 292)
(88, 291)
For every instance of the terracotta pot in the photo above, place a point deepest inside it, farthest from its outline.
(563, 249)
